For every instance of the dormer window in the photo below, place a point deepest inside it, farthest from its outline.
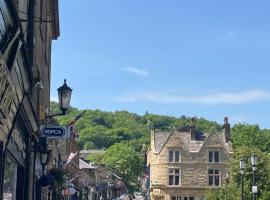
(174, 156)
(213, 156)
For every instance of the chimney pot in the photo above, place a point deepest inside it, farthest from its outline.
(192, 129)
(227, 130)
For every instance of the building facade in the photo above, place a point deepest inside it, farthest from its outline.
(27, 28)
(185, 162)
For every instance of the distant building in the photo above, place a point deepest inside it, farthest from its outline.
(85, 153)
(185, 162)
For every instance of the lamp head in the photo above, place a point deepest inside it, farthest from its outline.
(242, 164)
(254, 159)
(64, 95)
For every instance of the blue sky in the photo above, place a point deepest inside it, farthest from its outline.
(177, 57)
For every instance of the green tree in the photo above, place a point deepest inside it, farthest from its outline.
(125, 161)
(252, 136)
(233, 188)
(97, 157)
(223, 193)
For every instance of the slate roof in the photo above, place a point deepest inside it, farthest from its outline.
(160, 139)
(85, 165)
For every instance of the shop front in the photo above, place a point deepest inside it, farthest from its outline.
(18, 122)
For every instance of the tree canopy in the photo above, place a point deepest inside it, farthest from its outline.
(247, 139)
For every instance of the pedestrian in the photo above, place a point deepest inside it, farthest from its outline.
(75, 196)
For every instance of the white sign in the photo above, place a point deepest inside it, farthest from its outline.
(55, 131)
(254, 189)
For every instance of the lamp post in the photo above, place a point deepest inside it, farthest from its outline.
(242, 170)
(254, 159)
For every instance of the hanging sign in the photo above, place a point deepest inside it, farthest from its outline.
(54, 131)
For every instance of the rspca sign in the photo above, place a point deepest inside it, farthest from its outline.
(54, 131)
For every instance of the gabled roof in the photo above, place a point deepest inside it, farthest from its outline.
(201, 138)
(85, 165)
(160, 139)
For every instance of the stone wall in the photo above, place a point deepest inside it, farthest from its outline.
(193, 165)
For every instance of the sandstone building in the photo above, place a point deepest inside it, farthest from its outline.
(185, 162)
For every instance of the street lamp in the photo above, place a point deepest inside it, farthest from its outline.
(64, 96)
(254, 159)
(42, 148)
(242, 170)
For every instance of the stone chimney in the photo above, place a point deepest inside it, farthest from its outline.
(192, 129)
(153, 140)
(227, 130)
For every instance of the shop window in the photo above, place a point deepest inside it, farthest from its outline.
(10, 178)
(6, 21)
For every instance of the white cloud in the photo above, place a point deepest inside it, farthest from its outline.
(239, 119)
(55, 99)
(136, 71)
(218, 98)
(227, 36)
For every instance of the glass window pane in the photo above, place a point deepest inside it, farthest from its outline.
(210, 171)
(170, 156)
(216, 171)
(177, 156)
(176, 171)
(2, 25)
(210, 180)
(170, 171)
(191, 198)
(176, 180)
(216, 156)
(173, 198)
(216, 180)
(210, 156)
(185, 198)
(170, 180)
(10, 179)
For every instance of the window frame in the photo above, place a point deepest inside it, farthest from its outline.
(182, 197)
(174, 175)
(174, 155)
(213, 152)
(213, 176)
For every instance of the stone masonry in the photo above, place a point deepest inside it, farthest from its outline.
(193, 165)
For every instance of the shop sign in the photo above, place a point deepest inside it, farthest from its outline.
(54, 131)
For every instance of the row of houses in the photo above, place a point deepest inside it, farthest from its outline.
(82, 179)
(85, 180)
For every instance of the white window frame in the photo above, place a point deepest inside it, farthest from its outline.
(174, 155)
(174, 175)
(213, 156)
(182, 197)
(214, 175)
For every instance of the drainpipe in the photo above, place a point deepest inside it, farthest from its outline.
(31, 29)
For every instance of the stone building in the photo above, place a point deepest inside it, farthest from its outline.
(27, 28)
(185, 162)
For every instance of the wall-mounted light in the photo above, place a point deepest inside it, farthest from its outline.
(64, 96)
